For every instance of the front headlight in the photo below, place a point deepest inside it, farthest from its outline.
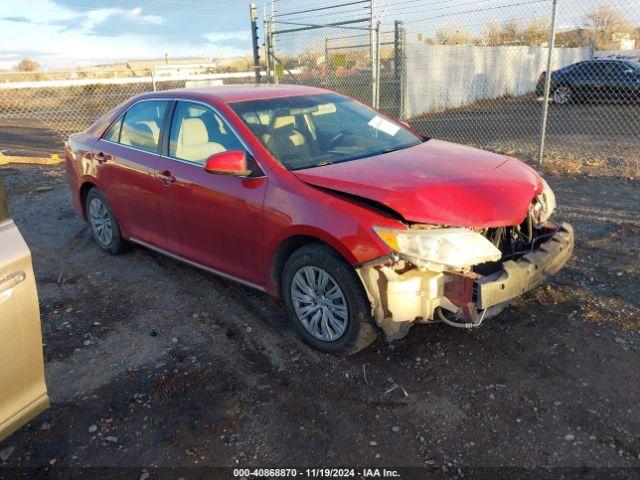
(440, 248)
(547, 202)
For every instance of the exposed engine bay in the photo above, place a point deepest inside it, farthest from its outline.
(403, 290)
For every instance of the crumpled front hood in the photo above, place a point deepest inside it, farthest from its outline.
(437, 183)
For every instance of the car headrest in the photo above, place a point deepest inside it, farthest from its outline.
(193, 132)
(284, 121)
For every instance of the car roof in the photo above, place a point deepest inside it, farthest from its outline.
(238, 93)
(606, 60)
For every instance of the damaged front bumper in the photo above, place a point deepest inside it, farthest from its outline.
(402, 294)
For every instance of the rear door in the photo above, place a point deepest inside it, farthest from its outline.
(126, 157)
(23, 393)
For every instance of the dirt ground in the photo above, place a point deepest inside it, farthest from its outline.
(152, 363)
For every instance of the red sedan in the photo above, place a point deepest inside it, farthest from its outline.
(357, 222)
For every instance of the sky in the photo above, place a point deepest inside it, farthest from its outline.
(69, 33)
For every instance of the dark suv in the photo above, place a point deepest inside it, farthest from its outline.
(594, 80)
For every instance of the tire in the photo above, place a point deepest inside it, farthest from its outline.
(352, 331)
(562, 95)
(99, 213)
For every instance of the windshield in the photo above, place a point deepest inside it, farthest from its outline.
(313, 130)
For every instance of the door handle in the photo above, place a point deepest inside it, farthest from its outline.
(167, 178)
(11, 281)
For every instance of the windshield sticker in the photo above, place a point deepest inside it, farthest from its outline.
(383, 125)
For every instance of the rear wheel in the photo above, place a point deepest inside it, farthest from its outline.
(562, 95)
(326, 301)
(104, 227)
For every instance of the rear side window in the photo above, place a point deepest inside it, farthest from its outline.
(141, 125)
(4, 207)
(113, 134)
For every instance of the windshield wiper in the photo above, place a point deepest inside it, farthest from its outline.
(357, 157)
(379, 152)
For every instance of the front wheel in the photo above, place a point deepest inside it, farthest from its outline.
(562, 95)
(326, 301)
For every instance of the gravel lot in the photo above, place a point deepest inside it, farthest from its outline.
(150, 362)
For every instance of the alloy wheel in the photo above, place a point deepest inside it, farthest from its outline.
(562, 95)
(100, 221)
(319, 303)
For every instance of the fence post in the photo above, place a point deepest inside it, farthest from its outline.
(376, 85)
(547, 80)
(253, 14)
(266, 34)
(400, 67)
(272, 43)
(373, 43)
(153, 77)
(592, 48)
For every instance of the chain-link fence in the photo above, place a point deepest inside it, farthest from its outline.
(39, 109)
(473, 72)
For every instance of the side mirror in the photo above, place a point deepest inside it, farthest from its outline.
(232, 162)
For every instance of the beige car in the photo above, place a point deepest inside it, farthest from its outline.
(23, 392)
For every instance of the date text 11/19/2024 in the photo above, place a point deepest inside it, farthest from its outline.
(315, 472)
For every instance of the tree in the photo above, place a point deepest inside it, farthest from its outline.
(492, 34)
(27, 65)
(452, 36)
(514, 32)
(536, 33)
(605, 23)
(511, 34)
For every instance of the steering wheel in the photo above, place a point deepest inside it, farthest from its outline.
(337, 137)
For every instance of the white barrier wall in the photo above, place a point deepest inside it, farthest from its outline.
(441, 77)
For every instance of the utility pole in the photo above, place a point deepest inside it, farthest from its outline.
(547, 81)
(254, 39)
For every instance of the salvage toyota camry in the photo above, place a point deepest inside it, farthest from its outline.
(357, 222)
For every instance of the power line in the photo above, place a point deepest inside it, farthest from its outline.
(476, 11)
(446, 7)
(332, 14)
(324, 8)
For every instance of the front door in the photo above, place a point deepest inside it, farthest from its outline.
(213, 220)
(126, 158)
(23, 393)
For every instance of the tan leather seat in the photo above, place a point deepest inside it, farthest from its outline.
(193, 141)
(284, 140)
